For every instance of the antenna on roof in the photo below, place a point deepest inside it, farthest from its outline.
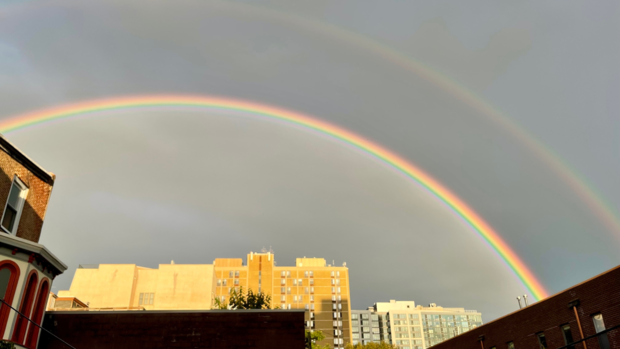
(519, 300)
(525, 300)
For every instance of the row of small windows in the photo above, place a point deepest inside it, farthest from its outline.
(373, 317)
(307, 290)
(365, 329)
(223, 282)
(307, 273)
(599, 326)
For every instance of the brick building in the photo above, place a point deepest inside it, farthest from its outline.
(221, 329)
(27, 268)
(589, 310)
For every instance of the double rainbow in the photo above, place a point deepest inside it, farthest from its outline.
(455, 204)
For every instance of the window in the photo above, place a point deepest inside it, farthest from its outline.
(294, 282)
(333, 281)
(219, 282)
(236, 282)
(299, 282)
(288, 274)
(311, 289)
(282, 290)
(283, 299)
(288, 290)
(282, 282)
(338, 289)
(230, 274)
(542, 341)
(25, 307)
(568, 336)
(312, 299)
(338, 274)
(236, 273)
(37, 314)
(9, 275)
(311, 282)
(224, 282)
(306, 274)
(599, 326)
(311, 274)
(146, 298)
(338, 282)
(14, 205)
(511, 345)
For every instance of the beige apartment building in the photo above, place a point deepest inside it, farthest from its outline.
(321, 289)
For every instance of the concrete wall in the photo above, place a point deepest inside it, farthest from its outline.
(256, 329)
(176, 286)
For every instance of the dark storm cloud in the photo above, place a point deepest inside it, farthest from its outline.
(231, 184)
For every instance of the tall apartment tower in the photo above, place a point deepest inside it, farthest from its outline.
(368, 326)
(321, 289)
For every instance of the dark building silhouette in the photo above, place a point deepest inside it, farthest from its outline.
(589, 310)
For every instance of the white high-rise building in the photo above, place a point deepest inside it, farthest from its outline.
(419, 327)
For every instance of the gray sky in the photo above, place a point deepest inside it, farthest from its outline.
(150, 187)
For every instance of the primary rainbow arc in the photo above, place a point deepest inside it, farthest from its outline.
(454, 203)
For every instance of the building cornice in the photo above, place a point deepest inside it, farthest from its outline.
(18, 244)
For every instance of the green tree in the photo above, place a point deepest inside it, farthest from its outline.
(382, 345)
(240, 300)
(7, 345)
(316, 336)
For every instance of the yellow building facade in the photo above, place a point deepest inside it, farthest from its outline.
(321, 289)
(128, 286)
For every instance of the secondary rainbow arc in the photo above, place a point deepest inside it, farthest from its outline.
(597, 204)
(454, 203)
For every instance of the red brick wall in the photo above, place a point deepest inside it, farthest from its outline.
(598, 295)
(169, 329)
(39, 192)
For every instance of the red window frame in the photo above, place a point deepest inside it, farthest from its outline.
(37, 314)
(25, 307)
(5, 311)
